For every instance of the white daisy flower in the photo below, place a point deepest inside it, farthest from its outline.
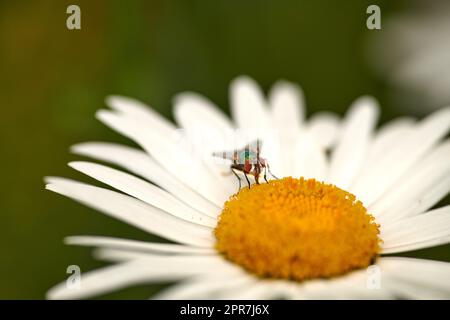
(417, 60)
(294, 238)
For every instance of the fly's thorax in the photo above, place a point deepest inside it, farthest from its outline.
(247, 156)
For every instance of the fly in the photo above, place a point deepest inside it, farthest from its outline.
(248, 161)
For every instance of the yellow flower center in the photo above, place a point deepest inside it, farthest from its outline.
(297, 229)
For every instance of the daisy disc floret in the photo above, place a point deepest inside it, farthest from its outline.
(297, 229)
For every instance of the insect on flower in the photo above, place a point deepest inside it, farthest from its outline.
(248, 161)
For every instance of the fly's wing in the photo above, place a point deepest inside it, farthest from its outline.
(254, 146)
(228, 155)
(249, 153)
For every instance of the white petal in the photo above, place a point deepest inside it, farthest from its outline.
(123, 255)
(416, 245)
(248, 106)
(148, 270)
(287, 103)
(263, 290)
(252, 291)
(139, 110)
(287, 110)
(134, 212)
(173, 156)
(395, 163)
(427, 200)
(142, 164)
(212, 286)
(251, 114)
(387, 136)
(385, 140)
(421, 187)
(144, 191)
(134, 245)
(356, 133)
(310, 158)
(310, 151)
(106, 280)
(398, 278)
(416, 278)
(119, 255)
(433, 226)
(208, 130)
(353, 286)
(193, 111)
(325, 128)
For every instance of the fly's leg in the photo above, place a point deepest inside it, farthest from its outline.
(273, 175)
(257, 171)
(238, 167)
(246, 178)
(265, 174)
(268, 168)
(239, 178)
(257, 178)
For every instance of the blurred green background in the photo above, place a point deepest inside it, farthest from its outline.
(54, 79)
